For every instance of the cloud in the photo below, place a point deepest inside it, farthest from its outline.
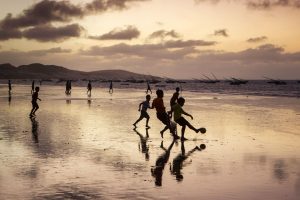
(162, 34)
(56, 50)
(257, 39)
(47, 33)
(260, 4)
(221, 32)
(6, 34)
(173, 49)
(43, 12)
(143, 51)
(252, 63)
(46, 12)
(97, 6)
(127, 33)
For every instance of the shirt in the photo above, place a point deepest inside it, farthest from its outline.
(174, 98)
(145, 105)
(158, 104)
(177, 111)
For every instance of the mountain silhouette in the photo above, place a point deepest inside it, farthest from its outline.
(41, 71)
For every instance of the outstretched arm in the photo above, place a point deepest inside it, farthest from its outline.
(187, 114)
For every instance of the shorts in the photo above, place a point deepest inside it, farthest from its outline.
(164, 118)
(182, 121)
(34, 104)
(144, 114)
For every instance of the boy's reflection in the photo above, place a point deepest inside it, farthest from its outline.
(161, 161)
(178, 160)
(143, 143)
(35, 129)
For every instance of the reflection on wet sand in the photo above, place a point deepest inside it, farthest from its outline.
(143, 147)
(161, 161)
(35, 129)
(9, 97)
(177, 164)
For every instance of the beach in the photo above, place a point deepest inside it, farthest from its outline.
(80, 147)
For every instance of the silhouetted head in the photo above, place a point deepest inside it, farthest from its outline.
(177, 89)
(148, 97)
(181, 101)
(37, 89)
(159, 93)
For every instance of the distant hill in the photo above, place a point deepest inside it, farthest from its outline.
(40, 71)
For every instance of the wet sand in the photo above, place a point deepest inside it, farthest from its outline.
(85, 148)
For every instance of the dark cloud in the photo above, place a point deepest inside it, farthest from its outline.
(46, 12)
(221, 32)
(56, 50)
(144, 51)
(187, 43)
(261, 4)
(257, 39)
(128, 33)
(104, 5)
(6, 34)
(43, 12)
(162, 50)
(47, 33)
(163, 33)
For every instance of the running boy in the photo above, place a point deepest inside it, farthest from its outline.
(145, 105)
(161, 114)
(178, 111)
(35, 97)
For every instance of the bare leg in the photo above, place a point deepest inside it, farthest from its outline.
(139, 119)
(192, 127)
(182, 132)
(162, 132)
(147, 121)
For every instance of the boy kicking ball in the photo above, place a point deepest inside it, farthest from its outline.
(178, 111)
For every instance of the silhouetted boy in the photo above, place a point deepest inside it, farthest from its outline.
(111, 90)
(174, 98)
(89, 88)
(161, 113)
(9, 86)
(145, 105)
(35, 97)
(32, 87)
(178, 111)
(148, 88)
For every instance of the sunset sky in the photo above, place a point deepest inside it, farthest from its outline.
(173, 38)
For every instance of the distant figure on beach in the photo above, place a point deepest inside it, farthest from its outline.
(35, 97)
(178, 111)
(68, 87)
(111, 90)
(161, 161)
(89, 89)
(161, 114)
(145, 105)
(32, 87)
(148, 88)
(175, 97)
(9, 86)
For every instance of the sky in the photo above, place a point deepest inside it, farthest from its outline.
(180, 39)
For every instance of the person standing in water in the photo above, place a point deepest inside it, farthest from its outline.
(9, 86)
(145, 105)
(148, 88)
(89, 89)
(35, 97)
(111, 90)
(32, 87)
